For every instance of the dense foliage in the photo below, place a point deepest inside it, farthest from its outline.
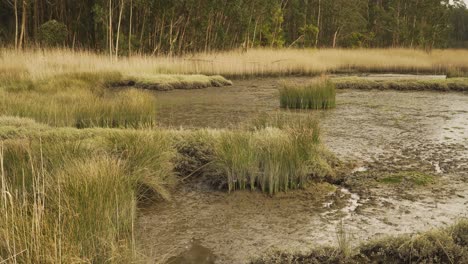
(52, 33)
(180, 26)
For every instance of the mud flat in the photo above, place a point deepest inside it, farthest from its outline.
(381, 132)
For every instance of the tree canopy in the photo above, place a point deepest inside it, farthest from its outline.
(122, 27)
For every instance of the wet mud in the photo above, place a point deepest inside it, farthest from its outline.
(381, 132)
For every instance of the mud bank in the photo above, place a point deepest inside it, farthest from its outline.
(379, 131)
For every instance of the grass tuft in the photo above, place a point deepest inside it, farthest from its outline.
(319, 94)
(271, 159)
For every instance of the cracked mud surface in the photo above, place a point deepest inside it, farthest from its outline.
(380, 131)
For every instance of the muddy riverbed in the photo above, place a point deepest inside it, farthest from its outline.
(378, 131)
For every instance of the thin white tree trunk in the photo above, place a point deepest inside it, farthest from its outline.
(318, 24)
(110, 29)
(118, 30)
(130, 30)
(22, 37)
(16, 24)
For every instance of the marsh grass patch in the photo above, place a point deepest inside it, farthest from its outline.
(440, 85)
(78, 100)
(167, 82)
(317, 94)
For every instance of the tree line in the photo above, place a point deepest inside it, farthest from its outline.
(123, 27)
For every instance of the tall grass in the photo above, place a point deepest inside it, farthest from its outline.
(70, 195)
(83, 213)
(318, 94)
(255, 62)
(78, 100)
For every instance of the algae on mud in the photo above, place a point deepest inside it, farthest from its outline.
(411, 177)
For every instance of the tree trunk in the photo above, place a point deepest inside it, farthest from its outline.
(22, 38)
(142, 30)
(170, 35)
(110, 30)
(16, 24)
(118, 30)
(35, 18)
(254, 33)
(335, 36)
(130, 30)
(318, 24)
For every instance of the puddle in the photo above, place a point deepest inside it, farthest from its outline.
(351, 204)
(376, 129)
(195, 254)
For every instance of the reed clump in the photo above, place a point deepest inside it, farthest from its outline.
(318, 94)
(70, 195)
(270, 160)
(83, 212)
(274, 154)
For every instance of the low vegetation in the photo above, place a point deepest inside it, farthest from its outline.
(318, 94)
(70, 194)
(441, 85)
(166, 82)
(78, 100)
(444, 245)
(86, 100)
(78, 155)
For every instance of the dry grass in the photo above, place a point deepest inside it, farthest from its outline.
(166, 82)
(255, 62)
